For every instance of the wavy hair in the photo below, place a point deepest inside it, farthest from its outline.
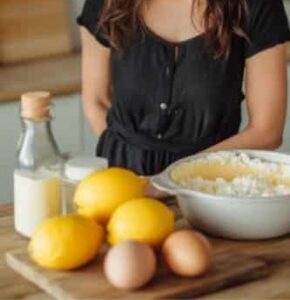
(120, 20)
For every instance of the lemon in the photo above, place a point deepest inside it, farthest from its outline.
(146, 220)
(102, 192)
(65, 242)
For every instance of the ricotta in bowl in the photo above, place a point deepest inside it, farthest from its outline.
(235, 174)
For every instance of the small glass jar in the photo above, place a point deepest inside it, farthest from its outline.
(77, 169)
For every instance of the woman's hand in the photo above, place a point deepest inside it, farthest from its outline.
(152, 192)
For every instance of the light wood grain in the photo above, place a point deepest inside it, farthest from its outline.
(33, 29)
(275, 252)
(59, 75)
(90, 283)
(274, 287)
(6, 210)
(12, 285)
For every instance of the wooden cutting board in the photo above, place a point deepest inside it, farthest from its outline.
(32, 29)
(230, 269)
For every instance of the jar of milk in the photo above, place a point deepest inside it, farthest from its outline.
(76, 169)
(37, 183)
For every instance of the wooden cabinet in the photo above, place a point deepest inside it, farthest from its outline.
(27, 30)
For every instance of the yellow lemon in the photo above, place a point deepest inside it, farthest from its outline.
(102, 192)
(146, 220)
(66, 242)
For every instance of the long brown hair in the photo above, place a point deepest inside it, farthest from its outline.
(121, 19)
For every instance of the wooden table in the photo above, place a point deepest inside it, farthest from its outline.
(277, 286)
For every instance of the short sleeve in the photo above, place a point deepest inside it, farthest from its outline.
(267, 26)
(89, 18)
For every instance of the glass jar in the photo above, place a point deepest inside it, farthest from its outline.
(37, 183)
(77, 169)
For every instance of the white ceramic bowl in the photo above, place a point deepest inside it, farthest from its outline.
(246, 218)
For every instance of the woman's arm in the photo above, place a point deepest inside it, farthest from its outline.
(266, 93)
(96, 82)
(266, 90)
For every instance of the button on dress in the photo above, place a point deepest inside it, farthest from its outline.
(171, 100)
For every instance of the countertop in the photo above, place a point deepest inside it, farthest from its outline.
(59, 75)
(13, 286)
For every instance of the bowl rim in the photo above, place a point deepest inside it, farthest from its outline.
(245, 199)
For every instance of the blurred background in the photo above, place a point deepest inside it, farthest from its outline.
(40, 50)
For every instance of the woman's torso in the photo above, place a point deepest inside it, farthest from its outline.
(171, 100)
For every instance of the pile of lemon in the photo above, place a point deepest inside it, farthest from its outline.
(111, 208)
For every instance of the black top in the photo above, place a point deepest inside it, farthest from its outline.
(165, 108)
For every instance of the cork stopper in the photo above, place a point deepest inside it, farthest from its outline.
(35, 106)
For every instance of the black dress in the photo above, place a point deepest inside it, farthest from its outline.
(166, 107)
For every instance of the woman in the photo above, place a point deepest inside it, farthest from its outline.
(162, 79)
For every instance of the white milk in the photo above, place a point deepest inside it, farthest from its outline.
(37, 197)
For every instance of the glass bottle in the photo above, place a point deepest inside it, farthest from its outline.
(37, 178)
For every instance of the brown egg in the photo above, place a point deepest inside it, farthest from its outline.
(187, 253)
(130, 265)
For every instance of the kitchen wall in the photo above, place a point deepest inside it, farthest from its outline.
(74, 134)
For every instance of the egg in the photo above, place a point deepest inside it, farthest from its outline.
(187, 253)
(130, 265)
